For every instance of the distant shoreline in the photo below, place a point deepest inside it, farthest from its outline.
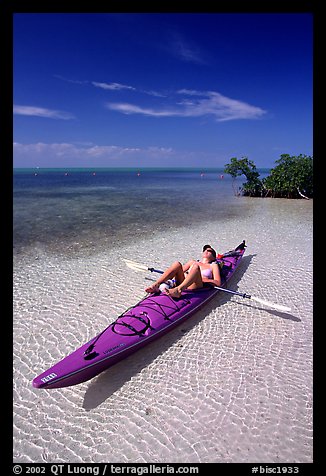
(128, 169)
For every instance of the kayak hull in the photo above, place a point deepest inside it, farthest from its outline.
(149, 319)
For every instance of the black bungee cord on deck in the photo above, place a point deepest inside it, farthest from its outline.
(144, 318)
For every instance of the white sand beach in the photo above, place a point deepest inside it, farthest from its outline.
(232, 384)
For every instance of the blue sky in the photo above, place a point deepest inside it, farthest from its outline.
(146, 90)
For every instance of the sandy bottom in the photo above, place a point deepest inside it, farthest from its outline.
(231, 384)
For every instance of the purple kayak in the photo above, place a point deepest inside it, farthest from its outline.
(150, 318)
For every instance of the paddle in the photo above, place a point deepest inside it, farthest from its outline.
(141, 267)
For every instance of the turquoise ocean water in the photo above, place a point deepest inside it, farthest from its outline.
(71, 211)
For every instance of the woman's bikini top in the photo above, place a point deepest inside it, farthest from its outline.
(206, 272)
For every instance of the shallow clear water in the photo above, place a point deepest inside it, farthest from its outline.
(83, 210)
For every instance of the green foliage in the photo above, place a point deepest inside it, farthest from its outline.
(291, 178)
(245, 167)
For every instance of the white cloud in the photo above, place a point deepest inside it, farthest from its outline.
(90, 155)
(64, 150)
(126, 108)
(73, 81)
(112, 86)
(185, 102)
(186, 53)
(196, 104)
(41, 112)
(184, 49)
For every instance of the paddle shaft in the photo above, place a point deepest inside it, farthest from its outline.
(244, 295)
(153, 270)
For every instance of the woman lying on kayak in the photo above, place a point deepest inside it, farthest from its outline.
(192, 275)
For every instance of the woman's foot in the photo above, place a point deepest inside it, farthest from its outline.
(154, 288)
(173, 292)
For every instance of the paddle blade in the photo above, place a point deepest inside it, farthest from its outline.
(135, 266)
(271, 304)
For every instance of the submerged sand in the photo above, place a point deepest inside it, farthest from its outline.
(231, 384)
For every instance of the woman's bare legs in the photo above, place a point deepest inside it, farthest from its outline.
(174, 271)
(193, 280)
